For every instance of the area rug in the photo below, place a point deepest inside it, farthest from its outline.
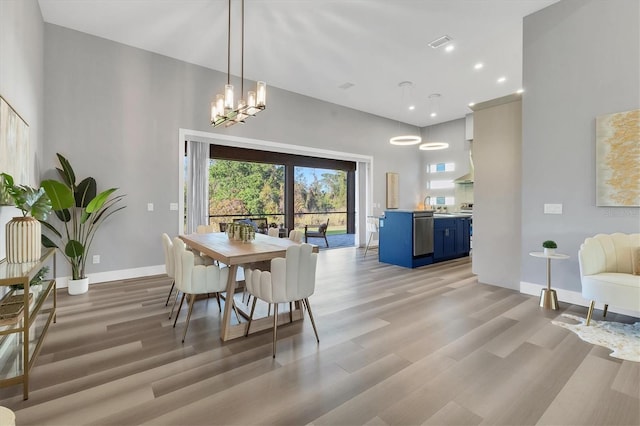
(622, 339)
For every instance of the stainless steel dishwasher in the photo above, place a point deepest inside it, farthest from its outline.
(422, 233)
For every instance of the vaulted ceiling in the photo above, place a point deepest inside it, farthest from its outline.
(349, 52)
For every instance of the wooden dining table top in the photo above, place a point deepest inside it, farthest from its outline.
(219, 247)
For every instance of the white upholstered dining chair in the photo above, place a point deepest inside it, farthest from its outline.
(194, 279)
(291, 279)
(273, 232)
(205, 229)
(169, 264)
(296, 235)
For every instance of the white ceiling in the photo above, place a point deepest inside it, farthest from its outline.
(312, 47)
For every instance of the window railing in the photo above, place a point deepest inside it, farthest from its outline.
(337, 220)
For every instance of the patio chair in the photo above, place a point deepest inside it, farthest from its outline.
(321, 232)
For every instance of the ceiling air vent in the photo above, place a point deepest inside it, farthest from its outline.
(440, 41)
(346, 86)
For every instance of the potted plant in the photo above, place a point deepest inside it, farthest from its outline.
(23, 232)
(81, 210)
(549, 247)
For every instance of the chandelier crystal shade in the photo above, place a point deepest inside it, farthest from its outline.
(223, 110)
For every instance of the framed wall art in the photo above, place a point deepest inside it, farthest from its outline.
(14, 145)
(392, 190)
(617, 159)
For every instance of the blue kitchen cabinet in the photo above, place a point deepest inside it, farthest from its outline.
(396, 244)
(451, 238)
(464, 227)
(444, 239)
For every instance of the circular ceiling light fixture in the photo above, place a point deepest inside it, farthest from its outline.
(405, 86)
(433, 146)
(405, 140)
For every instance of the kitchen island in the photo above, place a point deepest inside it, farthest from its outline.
(404, 241)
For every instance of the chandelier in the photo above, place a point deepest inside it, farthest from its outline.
(223, 110)
(405, 139)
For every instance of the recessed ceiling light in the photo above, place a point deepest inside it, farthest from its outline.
(502, 79)
(412, 107)
(433, 114)
(449, 48)
(471, 104)
(478, 66)
(519, 91)
(432, 146)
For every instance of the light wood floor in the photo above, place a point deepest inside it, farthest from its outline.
(397, 347)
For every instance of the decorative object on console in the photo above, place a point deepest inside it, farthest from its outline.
(223, 110)
(23, 232)
(549, 247)
(81, 210)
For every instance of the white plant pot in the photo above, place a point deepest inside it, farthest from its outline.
(75, 287)
(549, 251)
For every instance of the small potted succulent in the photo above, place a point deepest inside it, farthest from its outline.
(549, 247)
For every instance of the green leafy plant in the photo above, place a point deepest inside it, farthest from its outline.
(30, 201)
(37, 279)
(549, 244)
(81, 210)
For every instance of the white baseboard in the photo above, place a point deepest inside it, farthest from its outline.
(573, 297)
(122, 274)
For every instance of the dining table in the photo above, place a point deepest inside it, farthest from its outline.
(257, 254)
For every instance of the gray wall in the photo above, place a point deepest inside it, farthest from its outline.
(21, 80)
(581, 60)
(497, 150)
(115, 111)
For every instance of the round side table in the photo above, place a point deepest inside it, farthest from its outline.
(548, 296)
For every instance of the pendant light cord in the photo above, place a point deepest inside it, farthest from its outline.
(242, 55)
(229, 47)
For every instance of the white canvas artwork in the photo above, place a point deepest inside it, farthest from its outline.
(14, 145)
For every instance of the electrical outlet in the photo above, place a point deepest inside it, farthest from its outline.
(150, 207)
(96, 258)
(553, 209)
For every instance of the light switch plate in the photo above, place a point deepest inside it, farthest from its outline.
(150, 207)
(173, 206)
(553, 209)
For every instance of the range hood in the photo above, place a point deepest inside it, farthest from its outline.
(468, 178)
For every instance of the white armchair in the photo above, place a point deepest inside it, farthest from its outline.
(194, 279)
(290, 279)
(607, 271)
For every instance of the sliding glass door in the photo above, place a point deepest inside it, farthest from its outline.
(320, 194)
